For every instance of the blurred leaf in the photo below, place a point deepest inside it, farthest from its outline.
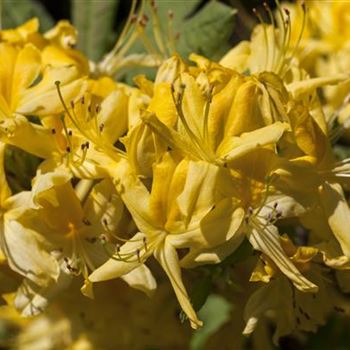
(214, 314)
(208, 31)
(240, 254)
(341, 151)
(94, 21)
(16, 12)
(20, 168)
(200, 292)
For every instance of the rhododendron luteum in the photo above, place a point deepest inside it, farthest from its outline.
(185, 168)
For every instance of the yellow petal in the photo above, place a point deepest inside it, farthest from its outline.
(26, 70)
(32, 138)
(268, 242)
(141, 278)
(235, 147)
(338, 213)
(168, 259)
(5, 191)
(123, 262)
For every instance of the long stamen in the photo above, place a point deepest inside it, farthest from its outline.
(257, 14)
(157, 29)
(178, 105)
(303, 25)
(171, 37)
(206, 113)
(272, 21)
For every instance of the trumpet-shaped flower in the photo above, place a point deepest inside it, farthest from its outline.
(179, 212)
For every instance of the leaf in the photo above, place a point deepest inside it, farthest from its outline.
(208, 31)
(94, 21)
(20, 168)
(16, 12)
(214, 313)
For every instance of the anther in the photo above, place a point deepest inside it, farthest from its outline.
(57, 83)
(98, 108)
(70, 132)
(72, 104)
(101, 127)
(86, 222)
(68, 149)
(170, 14)
(145, 243)
(103, 238)
(287, 12)
(53, 131)
(82, 100)
(339, 309)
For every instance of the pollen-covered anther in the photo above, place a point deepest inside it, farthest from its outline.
(145, 243)
(103, 239)
(143, 20)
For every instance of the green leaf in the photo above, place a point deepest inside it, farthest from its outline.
(214, 314)
(94, 21)
(341, 151)
(208, 31)
(16, 12)
(20, 168)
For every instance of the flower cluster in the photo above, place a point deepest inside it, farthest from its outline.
(174, 174)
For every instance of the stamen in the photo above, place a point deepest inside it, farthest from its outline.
(157, 29)
(260, 19)
(195, 140)
(171, 36)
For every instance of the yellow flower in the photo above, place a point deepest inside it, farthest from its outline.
(49, 236)
(291, 309)
(178, 213)
(57, 45)
(212, 125)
